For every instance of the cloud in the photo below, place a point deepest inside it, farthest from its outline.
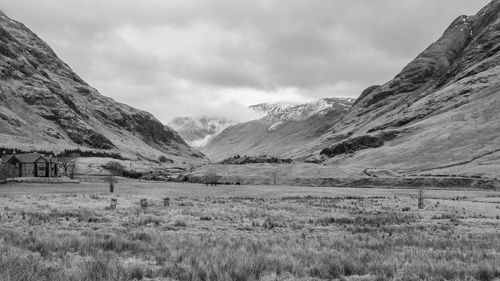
(196, 57)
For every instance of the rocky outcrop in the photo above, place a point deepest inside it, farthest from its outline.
(359, 143)
(365, 93)
(467, 44)
(45, 105)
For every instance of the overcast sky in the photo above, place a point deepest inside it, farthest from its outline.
(193, 57)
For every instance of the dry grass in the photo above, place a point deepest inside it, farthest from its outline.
(73, 237)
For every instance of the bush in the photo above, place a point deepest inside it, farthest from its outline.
(136, 272)
(118, 170)
(114, 167)
(180, 223)
(132, 174)
(212, 178)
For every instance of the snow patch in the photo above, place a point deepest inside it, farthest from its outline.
(279, 113)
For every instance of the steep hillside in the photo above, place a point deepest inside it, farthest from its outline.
(197, 131)
(44, 105)
(281, 132)
(439, 115)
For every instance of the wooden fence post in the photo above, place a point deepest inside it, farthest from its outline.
(144, 203)
(114, 201)
(421, 198)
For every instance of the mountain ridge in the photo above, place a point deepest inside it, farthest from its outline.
(46, 105)
(279, 113)
(283, 129)
(443, 108)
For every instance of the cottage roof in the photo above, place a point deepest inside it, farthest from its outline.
(29, 157)
(6, 159)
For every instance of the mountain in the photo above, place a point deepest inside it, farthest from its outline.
(271, 108)
(282, 131)
(278, 113)
(197, 131)
(44, 105)
(439, 115)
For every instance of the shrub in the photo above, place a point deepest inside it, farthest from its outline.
(211, 178)
(180, 223)
(136, 273)
(485, 272)
(117, 169)
(132, 174)
(114, 167)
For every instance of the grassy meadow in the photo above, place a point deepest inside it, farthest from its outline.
(56, 233)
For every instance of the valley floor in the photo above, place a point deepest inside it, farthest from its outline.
(67, 232)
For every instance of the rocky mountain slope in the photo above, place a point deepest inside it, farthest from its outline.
(439, 115)
(281, 132)
(197, 131)
(278, 114)
(45, 105)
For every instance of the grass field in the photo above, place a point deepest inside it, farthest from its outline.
(67, 232)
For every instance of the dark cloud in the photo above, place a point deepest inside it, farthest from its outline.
(205, 56)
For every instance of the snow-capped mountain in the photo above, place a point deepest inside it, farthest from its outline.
(197, 131)
(271, 108)
(277, 114)
(283, 128)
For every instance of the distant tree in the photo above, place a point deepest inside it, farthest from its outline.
(3, 173)
(69, 166)
(114, 167)
(211, 178)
